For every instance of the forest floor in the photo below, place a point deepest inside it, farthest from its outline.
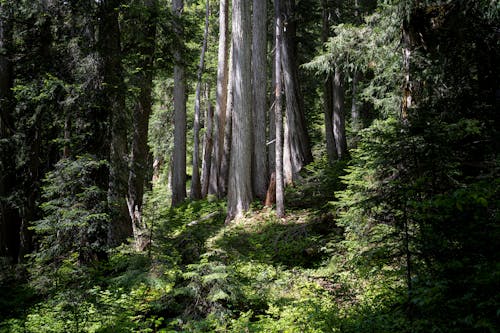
(256, 274)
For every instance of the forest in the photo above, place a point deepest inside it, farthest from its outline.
(250, 166)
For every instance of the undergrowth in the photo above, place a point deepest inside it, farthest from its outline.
(257, 274)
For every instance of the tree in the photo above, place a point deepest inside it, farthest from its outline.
(339, 114)
(139, 161)
(278, 117)
(297, 151)
(216, 179)
(195, 181)
(207, 144)
(226, 154)
(240, 177)
(179, 154)
(331, 148)
(114, 103)
(259, 44)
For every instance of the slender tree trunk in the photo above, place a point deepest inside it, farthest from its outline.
(207, 144)
(228, 131)
(331, 148)
(296, 137)
(339, 115)
(259, 65)
(139, 160)
(356, 122)
(221, 100)
(195, 180)
(114, 92)
(278, 118)
(271, 151)
(408, 86)
(240, 177)
(179, 153)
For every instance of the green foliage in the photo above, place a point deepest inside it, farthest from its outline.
(74, 227)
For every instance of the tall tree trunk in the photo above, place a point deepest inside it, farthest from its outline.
(114, 103)
(121, 226)
(221, 100)
(339, 115)
(271, 151)
(179, 153)
(139, 159)
(356, 122)
(207, 144)
(240, 176)
(278, 118)
(195, 180)
(296, 137)
(331, 148)
(259, 64)
(407, 101)
(228, 130)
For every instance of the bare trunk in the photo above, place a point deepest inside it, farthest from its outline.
(221, 100)
(297, 138)
(139, 160)
(355, 112)
(240, 177)
(224, 168)
(179, 153)
(278, 117)
(339, 115)
(331, 148)
(259, 64)
(114, 90)
(271, 149)
(195, 180)
(207, 144)
(407, 93)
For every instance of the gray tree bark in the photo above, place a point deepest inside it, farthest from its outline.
(195, 180)
(331, 148)
(339, 115)
(139, 161)
(221, 100)
(260, 173)
(356, 122)
(207, 144)
(278, 118)
(228, 130)
(240, 177)
(297, 149)
(179, 154)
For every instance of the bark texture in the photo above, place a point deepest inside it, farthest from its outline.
(331, 148)
(179, 154)
(228, 130)
(195, 180)
(114, 92)
(139, 159)
(260, 173)
(240, 178)
(297, 148)
(339, 115)
(216, 187)
(207, 145)
(278, 117)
